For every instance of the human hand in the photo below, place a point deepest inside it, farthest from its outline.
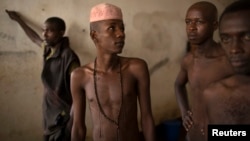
(187, 120)
(13, 15)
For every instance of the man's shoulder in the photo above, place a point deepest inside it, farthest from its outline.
(216, 51)
(83, 71)
(85, 67)
(133, 61)
(69, 53)
(134, 65)
(187, 60)
(68, 50)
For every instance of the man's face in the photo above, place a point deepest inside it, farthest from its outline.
(110, 36)
(234, 32)
(51, 34)
(198, 28)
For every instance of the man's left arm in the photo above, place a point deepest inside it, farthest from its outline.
(147, 121)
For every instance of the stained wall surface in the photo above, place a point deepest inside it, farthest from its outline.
(155, 31)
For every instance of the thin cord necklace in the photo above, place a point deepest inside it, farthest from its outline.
(116, 122)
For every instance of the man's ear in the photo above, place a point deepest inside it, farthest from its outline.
(93, 35)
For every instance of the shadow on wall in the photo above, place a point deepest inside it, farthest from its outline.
(158, 65)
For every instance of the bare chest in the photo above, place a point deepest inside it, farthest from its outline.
(110, 90)
(202, 72)
(231, 106)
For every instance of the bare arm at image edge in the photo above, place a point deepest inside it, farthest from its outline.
(34, 37)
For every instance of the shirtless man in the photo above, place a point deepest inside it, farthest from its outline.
(228, 100)
(111, 84)
(203, 64)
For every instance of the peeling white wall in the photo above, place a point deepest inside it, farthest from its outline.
(155, 31)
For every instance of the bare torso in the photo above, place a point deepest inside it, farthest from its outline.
(228, 101)
(117, 93)
(201, 72)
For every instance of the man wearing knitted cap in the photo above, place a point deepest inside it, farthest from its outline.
(111, 84)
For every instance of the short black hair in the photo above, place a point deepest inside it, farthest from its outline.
(240, 5)
(60, 24)
(207, 6)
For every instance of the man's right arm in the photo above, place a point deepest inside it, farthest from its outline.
(182, 97)
(34, 37)
(79, 130)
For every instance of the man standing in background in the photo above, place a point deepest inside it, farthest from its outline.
(227, 101)
(59, 60)
(205, 63)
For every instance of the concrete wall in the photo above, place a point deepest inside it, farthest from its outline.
(155, 31)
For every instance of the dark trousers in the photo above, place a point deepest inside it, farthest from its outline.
(60, 135)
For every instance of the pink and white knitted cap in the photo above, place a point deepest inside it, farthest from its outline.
(105, 11)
